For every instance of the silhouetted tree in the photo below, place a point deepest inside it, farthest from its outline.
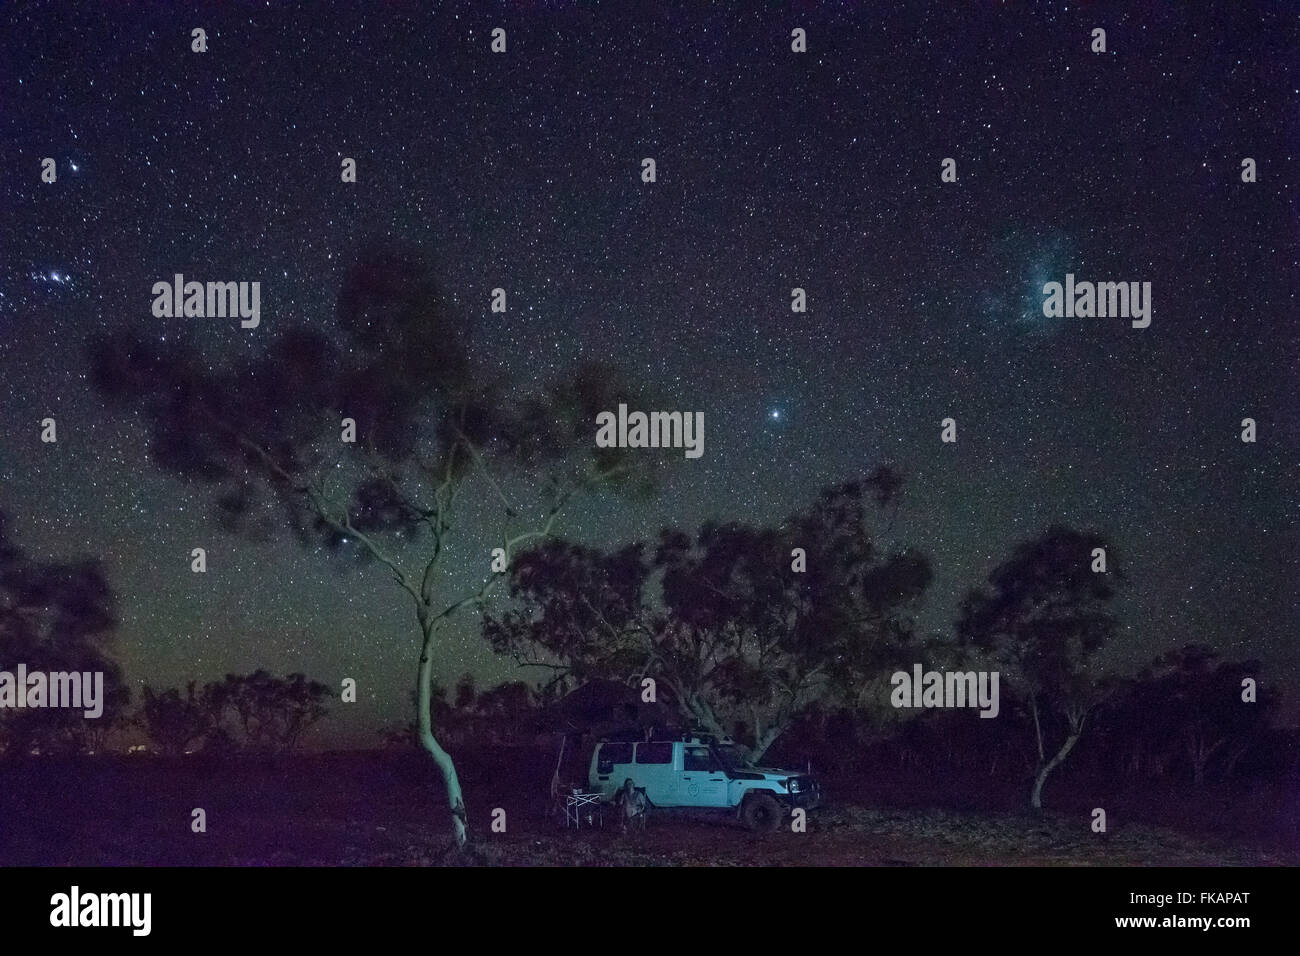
(272, 713)
(498, 714)
(1189, 702)
(1042, 615)
(465, 692)
(432, 430)
(267, 713)
(735, 630)
(57, 617)
(174, 721)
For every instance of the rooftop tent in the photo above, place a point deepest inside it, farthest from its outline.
(596, 710)
(604, 707)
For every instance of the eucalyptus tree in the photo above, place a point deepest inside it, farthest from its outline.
(379, 436)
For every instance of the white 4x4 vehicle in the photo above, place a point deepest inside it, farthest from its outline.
(704, 774)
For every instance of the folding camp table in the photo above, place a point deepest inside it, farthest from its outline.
(578, 805)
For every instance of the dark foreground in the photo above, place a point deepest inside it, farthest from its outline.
(383, 809)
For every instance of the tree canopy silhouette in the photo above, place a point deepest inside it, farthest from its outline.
(57, 616)
(432, 426)
(1042, 615)
(734, 622)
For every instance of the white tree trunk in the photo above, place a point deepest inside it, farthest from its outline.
(764, 743)
(424, 721)
(1036, 798)
(699, 710)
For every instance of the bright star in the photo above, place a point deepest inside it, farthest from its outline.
(776, 413)
(74, 167)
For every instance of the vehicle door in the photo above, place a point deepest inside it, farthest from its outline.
(655, 772)
(702, 782)
(613, 765)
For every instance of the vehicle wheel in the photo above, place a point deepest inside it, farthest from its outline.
(761, 813)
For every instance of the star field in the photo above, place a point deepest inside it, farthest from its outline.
(775, 170)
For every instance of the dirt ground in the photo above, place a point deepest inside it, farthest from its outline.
(378, 809)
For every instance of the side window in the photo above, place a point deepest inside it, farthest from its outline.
(696, 758)
(611, 754)
(654, 752)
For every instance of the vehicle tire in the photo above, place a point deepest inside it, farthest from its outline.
(761, 813)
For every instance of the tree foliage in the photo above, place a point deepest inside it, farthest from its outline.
(256, 712)
(722, 619)
(57, 616)
(1041, 617)
(434, 424)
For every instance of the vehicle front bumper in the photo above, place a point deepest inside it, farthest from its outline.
(808, 799)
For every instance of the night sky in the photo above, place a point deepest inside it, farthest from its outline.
(775, 170)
